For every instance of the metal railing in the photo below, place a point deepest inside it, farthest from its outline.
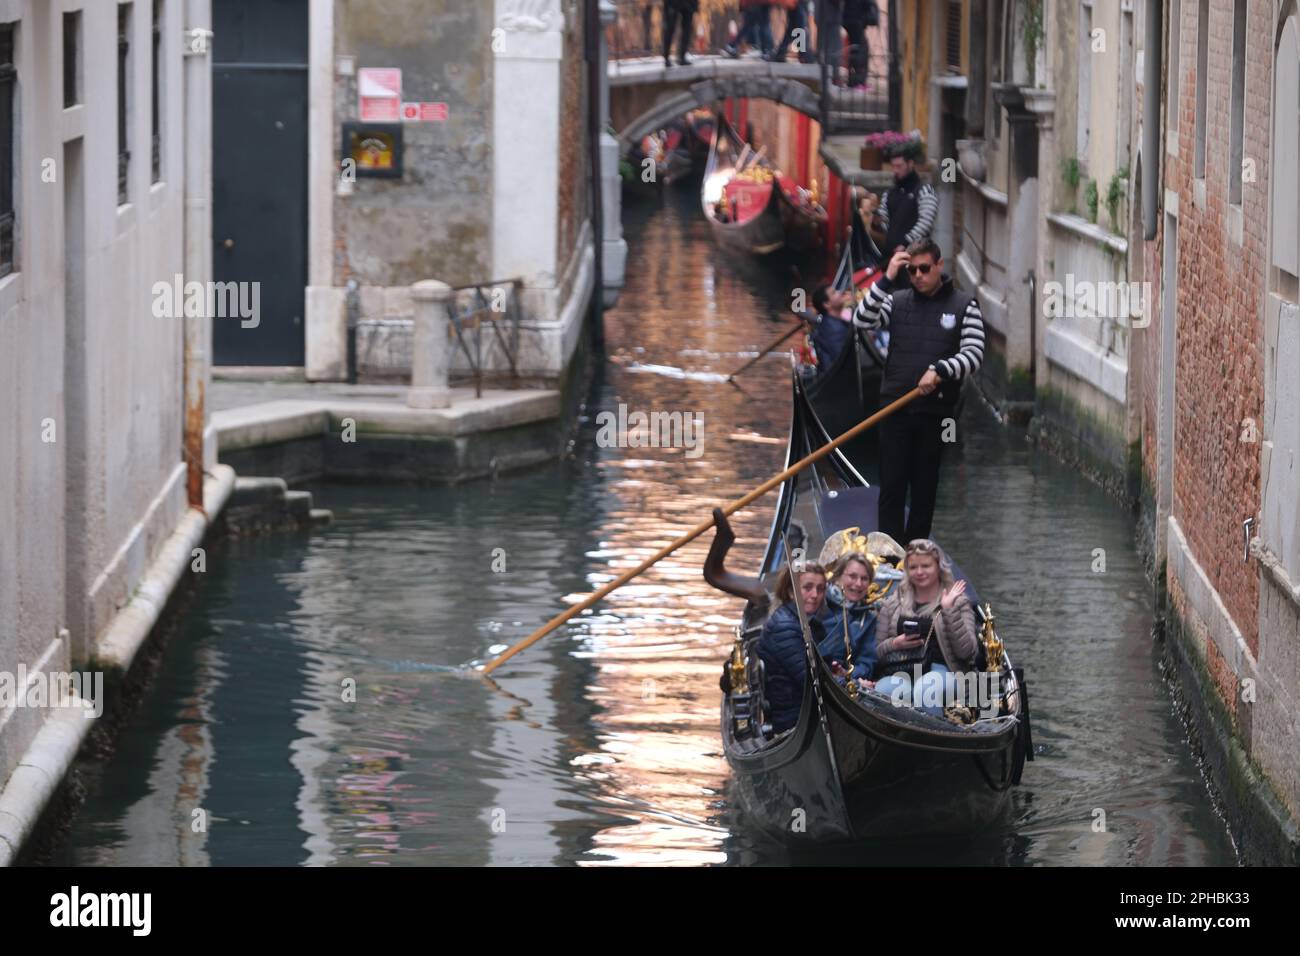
(861, 75)
(861, 80)
(638, 29)
(494, 306)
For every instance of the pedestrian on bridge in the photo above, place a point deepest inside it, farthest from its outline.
(755, 28)
(678, 13)
(796, 19)
(858, 15)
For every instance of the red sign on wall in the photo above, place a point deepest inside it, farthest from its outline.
(424, 112)
(379, 90)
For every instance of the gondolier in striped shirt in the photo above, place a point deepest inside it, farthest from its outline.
(936, 342)
(908, 212)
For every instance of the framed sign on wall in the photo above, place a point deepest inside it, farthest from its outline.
(374, 149)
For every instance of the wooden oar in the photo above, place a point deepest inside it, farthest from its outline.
(784, 335)
(698, 530)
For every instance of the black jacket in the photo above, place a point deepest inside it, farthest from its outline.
(785, 664)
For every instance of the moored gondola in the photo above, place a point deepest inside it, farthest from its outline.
(855, 766)
(750, 204)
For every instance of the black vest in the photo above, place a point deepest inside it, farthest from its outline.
(922, 330)
(903, 212)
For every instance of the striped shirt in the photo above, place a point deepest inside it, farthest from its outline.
(877, 306)
(927, 206)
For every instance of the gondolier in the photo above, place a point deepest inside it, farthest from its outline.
(908, 211)
(936, 342)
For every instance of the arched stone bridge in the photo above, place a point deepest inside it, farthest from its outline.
(644, 94)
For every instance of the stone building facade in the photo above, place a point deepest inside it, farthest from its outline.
(1129, 220)
(1223, 440)
(107, 468)
(495, 190)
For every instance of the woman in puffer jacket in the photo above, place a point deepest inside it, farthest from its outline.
(926, 627)
(849, 619)
(781, 645)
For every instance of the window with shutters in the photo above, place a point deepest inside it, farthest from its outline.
(8, 79)
(953, 33)
(123, 103)
(155, 134)
(71, 58)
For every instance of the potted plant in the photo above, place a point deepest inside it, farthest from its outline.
(881, 147)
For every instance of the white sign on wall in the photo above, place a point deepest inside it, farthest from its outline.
(379, 92)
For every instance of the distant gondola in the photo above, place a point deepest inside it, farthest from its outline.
(853, 769)
(670, 150)
(762, 217)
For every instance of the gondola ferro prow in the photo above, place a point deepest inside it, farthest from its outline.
(992, 643)
(993, 650)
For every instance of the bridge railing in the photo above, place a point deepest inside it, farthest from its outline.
(638, 29)
(860, 64)
(860, 75)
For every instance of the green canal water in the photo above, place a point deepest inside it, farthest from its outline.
(600, 745)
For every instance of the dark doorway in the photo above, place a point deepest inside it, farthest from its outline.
(259, 176)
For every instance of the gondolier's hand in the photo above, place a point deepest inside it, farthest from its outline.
(899, 260)
(951, 595)
(866, 684)
(929, 381)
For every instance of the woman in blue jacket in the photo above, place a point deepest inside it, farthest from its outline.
(850, 619)
(781, 645)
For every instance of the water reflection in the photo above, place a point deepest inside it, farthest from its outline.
(600, 745)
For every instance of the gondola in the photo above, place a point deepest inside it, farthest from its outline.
(848, 390)
(858, 769)
(762, 217)
(670, 149)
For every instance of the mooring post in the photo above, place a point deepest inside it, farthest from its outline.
(430, 354)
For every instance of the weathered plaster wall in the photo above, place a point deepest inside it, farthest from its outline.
(84, 514)
(434, 222)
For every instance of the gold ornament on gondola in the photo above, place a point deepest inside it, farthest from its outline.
(876, 548)
(992, 643)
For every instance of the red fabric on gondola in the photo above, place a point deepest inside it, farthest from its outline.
(865, 278)
(746, 200)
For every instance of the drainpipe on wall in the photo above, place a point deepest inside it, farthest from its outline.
(197, 70)
(1152, 75)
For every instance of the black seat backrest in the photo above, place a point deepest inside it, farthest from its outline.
(849, 507)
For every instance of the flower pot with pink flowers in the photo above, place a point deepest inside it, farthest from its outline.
(879, 148)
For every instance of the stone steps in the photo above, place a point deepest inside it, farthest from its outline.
(261, 504)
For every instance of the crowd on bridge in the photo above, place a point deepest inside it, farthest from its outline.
(755, 32)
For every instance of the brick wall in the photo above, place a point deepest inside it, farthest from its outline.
(573, 199)
(1219, 324)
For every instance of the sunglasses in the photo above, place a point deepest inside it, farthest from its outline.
(923, 269)
(922, 546)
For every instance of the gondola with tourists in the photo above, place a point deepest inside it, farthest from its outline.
(855, 765)
(750, 204)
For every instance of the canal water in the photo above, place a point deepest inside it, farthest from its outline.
(310, 710)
